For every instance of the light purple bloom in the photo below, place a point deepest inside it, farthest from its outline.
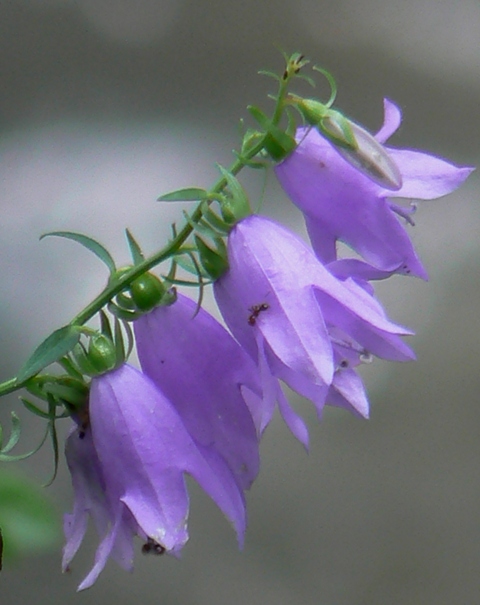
(209, 379)
(129, 475)
(91, 500)
(342, 203)
(299, 322)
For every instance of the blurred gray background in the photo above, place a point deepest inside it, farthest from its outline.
(106, 104)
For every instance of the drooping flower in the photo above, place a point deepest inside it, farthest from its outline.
(340, 202)
(209, 379)
(91, 500)
(128, 472)
(296, 319)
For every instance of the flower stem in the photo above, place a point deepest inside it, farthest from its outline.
(111, 290)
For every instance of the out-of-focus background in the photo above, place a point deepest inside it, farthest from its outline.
(106, 104)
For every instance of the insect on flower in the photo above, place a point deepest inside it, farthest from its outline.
(255, 312)
(83, 421)
(153, 547)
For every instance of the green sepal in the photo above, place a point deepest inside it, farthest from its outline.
(201, 227)
(81, 359)
(69, 366)
(250, 139)
(105, 327)
(278, 143)
(8, 458)
(122, 313)
(291, 124)
(219, 225)
(188, 263)
(214, 263)
(238, 207)
(336, 127)
(130, 337)
(190, 194)
(50, 350)
(14, 435)
(135, 250)
(52, 430)
(28, 521)
(119, 344)
(68, 390)
(90, 244)
(34, 409)
(124, 300)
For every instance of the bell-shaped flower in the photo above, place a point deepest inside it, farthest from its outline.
(295, 318)
(90, 500)
(209, 379)
(340, 202)
(128, 471)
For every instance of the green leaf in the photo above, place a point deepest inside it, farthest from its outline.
(135, 250)
(283, 143)
(241, 206)
(191, 194)
(90, 244)
(34, 409)
(28, 522)
(187, 264)
(270, 74)
(58, 344)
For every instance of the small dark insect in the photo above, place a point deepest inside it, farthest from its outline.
(153, 547)
(83, 421)
(255, 312)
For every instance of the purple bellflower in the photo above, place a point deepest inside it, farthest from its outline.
(209, 379)
(91, 500)
(340, 202)
(128, 473)
(300, 323)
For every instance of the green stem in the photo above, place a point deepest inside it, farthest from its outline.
(111, 290)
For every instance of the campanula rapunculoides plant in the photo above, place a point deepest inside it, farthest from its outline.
(295, 315)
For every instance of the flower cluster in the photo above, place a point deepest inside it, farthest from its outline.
(296, 314)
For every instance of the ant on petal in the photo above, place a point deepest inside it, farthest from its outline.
(255, 312)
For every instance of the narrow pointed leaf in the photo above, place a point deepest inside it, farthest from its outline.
(135, 250)
(52, 348)
(191, 194)
(105, 326)
(90, 244)
(31, 407)
(14, 434)
(119, 344)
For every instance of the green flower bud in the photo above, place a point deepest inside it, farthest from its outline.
(147, 291)
(102, 354)
(214, 262)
